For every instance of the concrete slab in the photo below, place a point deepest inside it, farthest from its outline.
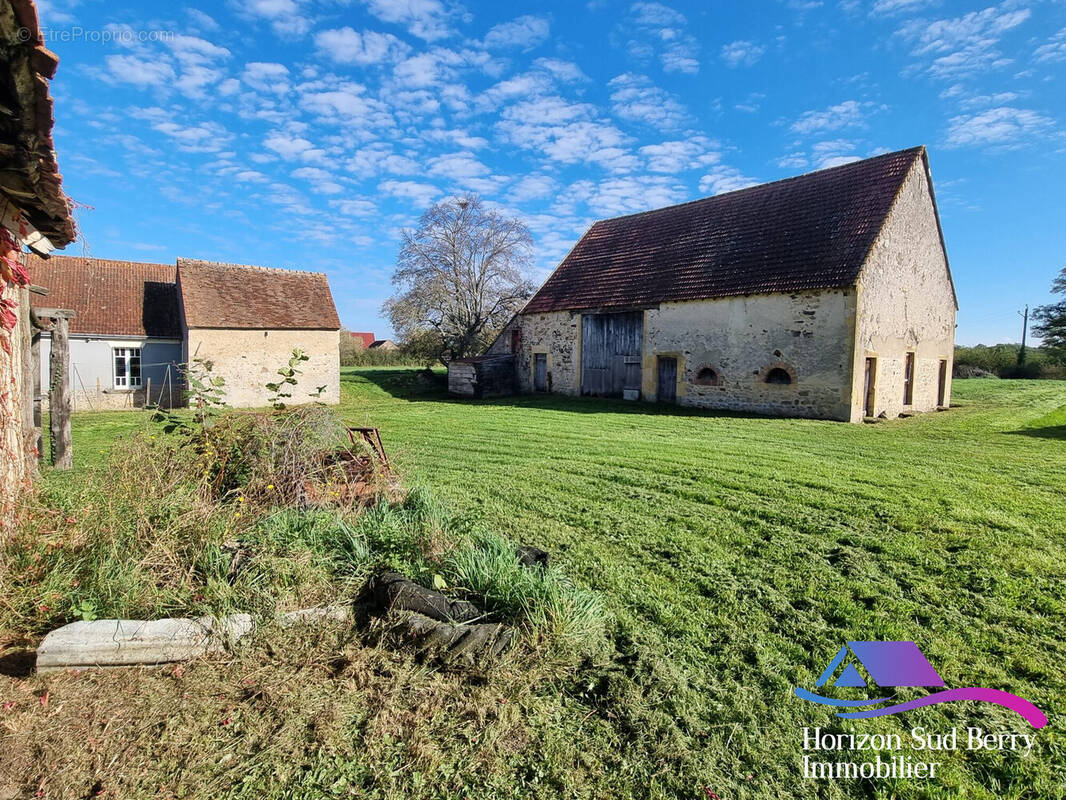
(127, 642)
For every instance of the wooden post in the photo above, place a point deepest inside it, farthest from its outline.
(35, 357)
(59, 401)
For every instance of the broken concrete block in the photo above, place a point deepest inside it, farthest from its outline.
(129, 642)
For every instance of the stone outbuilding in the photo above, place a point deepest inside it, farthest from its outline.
(827, 295)
(136, 325)
(246, 321)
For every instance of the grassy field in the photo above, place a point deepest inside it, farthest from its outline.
(734, 555)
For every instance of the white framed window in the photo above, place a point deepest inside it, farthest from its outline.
(127, 367)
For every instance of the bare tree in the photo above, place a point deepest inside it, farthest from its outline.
(460, 277)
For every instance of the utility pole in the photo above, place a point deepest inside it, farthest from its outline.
(1025, 330)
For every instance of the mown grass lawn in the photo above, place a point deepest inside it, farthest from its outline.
(735, 555)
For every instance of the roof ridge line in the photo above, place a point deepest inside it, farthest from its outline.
(235, 265)
(915, 149)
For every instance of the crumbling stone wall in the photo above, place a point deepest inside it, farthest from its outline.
(249, 359)
(905, 304)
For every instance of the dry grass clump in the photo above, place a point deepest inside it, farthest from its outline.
(293, 458)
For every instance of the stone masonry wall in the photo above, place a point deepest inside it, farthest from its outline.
(249, 359)
(905, 304)
(742, 338)
(809, 335)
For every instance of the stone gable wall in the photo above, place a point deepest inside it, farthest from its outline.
(905, 304)
(249, 359)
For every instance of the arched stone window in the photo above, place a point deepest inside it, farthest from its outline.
(778, 376)
(708, 376)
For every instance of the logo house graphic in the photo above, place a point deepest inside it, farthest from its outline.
(897, 665)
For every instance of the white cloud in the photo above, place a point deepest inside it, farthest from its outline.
(322, 182)
(348, 46)
(561, 70)
(194, 50)
(457, 166)
(348, 102)
(426, 19)
(267, 77)
(138, 71)
(844, 115)
(531, 187)
(285, 16)
(627, 195)
(723, 178)
(661, 30)
(656, 15)
(420, 194)
(566, 132)
(833, 153)
(1002, 127)
(885, 8)
(635, 98)
(293, 147)
(202, 21)
(741, 53)
(525, 32)
(679, 156)
(205, 137)
(965, 45)
(1054, 50)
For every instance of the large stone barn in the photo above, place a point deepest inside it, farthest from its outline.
(136, 325)
(826, 295)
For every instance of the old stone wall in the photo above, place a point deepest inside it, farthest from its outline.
(249, 359)
(905, 305)
(725, 348)
(15, 460)
(558, 336)
(741, 339)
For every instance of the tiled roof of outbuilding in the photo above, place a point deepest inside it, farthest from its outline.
(110, 298)
(218, 295)
(809, 232)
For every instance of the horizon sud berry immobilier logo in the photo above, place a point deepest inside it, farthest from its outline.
(892, 665)
(876, 666)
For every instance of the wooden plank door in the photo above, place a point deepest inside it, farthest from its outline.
(666, 391)
(611, 347)
(540, 372)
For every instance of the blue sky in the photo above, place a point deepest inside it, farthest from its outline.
(308, 133)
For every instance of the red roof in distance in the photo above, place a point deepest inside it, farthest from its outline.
(367, 338)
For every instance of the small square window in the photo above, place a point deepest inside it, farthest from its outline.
(127, 367)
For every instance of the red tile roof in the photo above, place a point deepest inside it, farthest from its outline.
(366, 338)
(31, 175)
(809, 232)
(218, 295)
(110, 298)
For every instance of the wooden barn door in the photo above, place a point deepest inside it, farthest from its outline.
(666, 392)
(611, 347)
